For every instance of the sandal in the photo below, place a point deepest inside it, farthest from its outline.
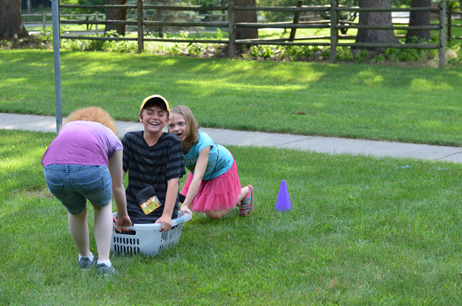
(246, 205)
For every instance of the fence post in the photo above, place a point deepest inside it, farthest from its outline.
(223, 17)
(96, 19)
(296, 20)
(442, 48)
(140, 26)
(449, 22)
(333, 30)
(44, 20)
(231, 34)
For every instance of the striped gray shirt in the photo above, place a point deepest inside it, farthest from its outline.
(153, 166)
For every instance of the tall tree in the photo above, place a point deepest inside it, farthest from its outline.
(375, 19)
(11, 25)
(246, 16)
(116, 14)
(419, 19)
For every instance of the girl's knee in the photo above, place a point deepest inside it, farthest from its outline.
(216, 214)
(103, 207)
(80, 215)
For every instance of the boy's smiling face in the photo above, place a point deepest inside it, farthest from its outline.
(153, 118)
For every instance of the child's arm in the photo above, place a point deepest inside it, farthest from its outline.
(170, 198)
(118, 189)
(199, 171)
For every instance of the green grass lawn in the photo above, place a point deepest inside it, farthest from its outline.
(362, 230)
(402, 103)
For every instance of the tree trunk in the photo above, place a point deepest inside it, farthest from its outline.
(116, 14)
(419, 19)
(375, 19)
(246, 16)
(11, 25)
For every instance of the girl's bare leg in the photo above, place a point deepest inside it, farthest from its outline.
(103, 230)
(216, 214)
(78, 227)
(244, 192)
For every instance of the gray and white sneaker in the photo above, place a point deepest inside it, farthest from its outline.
(105, 270)
(85, 263)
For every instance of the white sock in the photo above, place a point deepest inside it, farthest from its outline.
(106, 262)
(91, 257)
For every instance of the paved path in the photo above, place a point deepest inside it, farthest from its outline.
(331, 145)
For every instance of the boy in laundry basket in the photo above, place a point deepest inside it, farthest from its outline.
(154, 161)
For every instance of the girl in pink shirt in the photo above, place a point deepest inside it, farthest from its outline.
(85, 162)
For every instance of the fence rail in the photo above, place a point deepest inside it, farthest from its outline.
(96, 15)
(334, 23)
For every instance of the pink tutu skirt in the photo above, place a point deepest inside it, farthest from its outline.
(219, 193)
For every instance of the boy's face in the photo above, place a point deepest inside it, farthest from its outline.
(153, 118)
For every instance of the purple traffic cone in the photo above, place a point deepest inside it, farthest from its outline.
(283, 202)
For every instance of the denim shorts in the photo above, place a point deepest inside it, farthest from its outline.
(74, 184)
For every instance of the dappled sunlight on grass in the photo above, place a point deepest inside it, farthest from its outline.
(7, 82)
(209, 66)
(39, 64)
(170, 61)
(19, 55)
(369, 78)
(204, 86)
(258, 71)
(318, 105)
(455, 73)
(134, 74)
(20, 163)
(428, 85)
(347, 212)
(431, 124)
(43, 193)
(14, 172)
(357, 100)
(19, 195)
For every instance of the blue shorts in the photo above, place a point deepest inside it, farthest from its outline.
(74, 184)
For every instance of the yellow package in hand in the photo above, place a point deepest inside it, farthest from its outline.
(150, 205)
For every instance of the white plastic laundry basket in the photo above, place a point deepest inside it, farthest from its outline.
(147, 238)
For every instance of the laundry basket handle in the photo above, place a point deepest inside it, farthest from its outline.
(156, 226)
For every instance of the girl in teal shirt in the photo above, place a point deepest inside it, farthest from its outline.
(213, 184)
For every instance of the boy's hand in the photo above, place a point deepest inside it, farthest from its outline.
(165, 223)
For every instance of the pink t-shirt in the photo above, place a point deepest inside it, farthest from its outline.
(82, 143)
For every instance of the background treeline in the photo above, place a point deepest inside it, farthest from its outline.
(269, 16)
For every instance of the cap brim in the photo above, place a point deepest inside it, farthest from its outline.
(155, 97)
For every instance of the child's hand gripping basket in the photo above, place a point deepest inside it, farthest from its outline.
(147, 238)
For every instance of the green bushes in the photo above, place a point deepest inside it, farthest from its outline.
(263, 52)
(455, 55)
(252, 52)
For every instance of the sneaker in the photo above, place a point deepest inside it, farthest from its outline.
(103, 269)
(246, 206)
(85, 263)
